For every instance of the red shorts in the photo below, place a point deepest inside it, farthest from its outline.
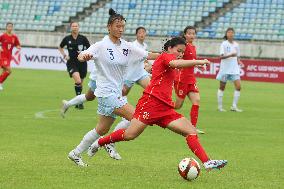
(183, 89)
(151, 110)
(4, 62)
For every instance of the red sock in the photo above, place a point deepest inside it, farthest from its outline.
(4, 76)
(196, 148)
(194, 114)
(115, 136)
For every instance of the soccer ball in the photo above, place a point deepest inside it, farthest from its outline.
(189, 169)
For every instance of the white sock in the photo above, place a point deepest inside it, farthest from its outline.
(237, 95)
(123, 124)
(77, 100)
(87, 141)
(220, 94)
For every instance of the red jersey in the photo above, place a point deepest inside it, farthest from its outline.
(163, 75)
(186, 75)
(8, 42)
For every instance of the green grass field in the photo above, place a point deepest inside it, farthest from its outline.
(33, 151)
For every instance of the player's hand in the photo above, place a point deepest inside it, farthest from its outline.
(201, 67)
(85, 57)
(1, 49)
(66, 57)
(241, 64)
(205, 62)
(233, 54)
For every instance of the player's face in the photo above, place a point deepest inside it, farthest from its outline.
(75, 27)
(230, 35)
(116, 28)
(177, 50)
(9, 28)
(141, 34)
(190, 35)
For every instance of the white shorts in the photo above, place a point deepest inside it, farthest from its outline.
(106, 105)
(227, 77)
(130, 83)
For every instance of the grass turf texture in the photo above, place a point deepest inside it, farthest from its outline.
(33, 151)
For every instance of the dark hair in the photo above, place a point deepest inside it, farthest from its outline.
(73, 23)
(189, 28)
(229, 29)
(114, 16)
(140, 28)
(8, 23)
(174, 42)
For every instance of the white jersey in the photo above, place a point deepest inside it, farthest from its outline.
(229, 65)
(136, 69)
(111, 62)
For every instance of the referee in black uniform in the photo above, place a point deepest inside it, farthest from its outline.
(75, 44)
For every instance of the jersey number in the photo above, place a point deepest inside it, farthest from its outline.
(111, 54)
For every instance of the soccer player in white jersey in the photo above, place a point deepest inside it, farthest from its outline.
(229, 69)
(136, 72)
(111, 55)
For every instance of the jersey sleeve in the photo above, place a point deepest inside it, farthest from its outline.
(167, 58)
(17, 42)
(93, 50)
(137, 53)
(63, 42)
(86, 42)
(222, 49)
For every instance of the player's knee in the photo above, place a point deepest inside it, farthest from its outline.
(90, 97)
(196, 101)
(102, 130)
(129, 136)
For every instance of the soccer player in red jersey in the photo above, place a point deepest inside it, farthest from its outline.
(8, 41)
(185, 82)
(156, 106)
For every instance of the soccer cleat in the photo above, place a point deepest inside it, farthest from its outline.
(215, 164)
(220, 109)
(77, 159)
(93, 149)
(235, 109)
(1, 87)
(110, 148)
(200, 131)
(64, 108)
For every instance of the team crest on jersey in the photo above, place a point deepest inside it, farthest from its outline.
(146, 115)
(180, 92)
(125, 52)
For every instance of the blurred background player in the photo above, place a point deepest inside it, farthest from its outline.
(229, 69)
(8, 40)
(136, 72)
(75, 44)
(185, 83)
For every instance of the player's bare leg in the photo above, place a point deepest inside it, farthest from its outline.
(183, 127)
(5, 73)
(237, 94)
(144, 82)
(220, 95)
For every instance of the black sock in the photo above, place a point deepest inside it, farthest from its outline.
(78, 88)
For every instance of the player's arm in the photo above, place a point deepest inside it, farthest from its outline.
(88, 54)
(222, 56)
(240, 62)
(61, 49)
(180, 63)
